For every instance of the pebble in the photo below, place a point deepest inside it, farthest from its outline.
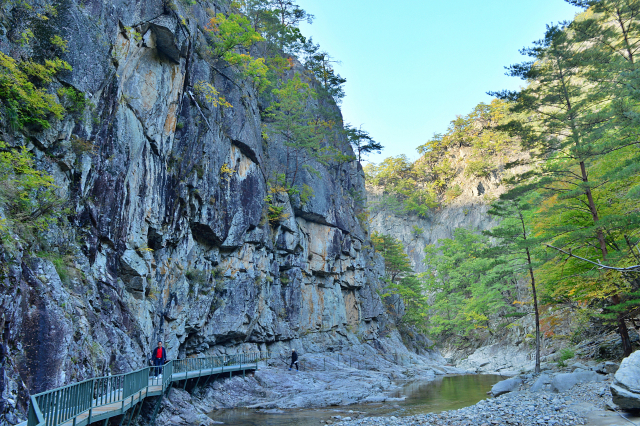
(521, 408)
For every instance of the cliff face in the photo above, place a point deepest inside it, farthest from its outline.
(169, 236)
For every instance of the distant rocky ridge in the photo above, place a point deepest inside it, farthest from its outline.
(468, 210)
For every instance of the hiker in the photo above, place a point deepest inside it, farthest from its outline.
(159, 357)
(294, 359)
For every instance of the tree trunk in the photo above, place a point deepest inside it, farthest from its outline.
(622, 329)
(535, 308)
(533, 293)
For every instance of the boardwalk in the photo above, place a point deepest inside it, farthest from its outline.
(101, 398)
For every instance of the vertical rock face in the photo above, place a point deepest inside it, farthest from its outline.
(169, 237)
(415, 233)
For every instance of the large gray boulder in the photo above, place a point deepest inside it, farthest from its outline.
(505, 386)
(541, 383)
(563, 382)
(626, 383)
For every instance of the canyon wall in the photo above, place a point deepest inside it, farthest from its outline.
(168, 234)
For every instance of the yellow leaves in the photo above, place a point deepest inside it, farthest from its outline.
(27, 103)
(61, 43)
(211, 94)
(277, 189)
(234, 31)
(226, 172)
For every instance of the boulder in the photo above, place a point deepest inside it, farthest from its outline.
(578, 366)
(607, 367)
(625, 388)
(505, 386)
(540, 384)
(563, 382)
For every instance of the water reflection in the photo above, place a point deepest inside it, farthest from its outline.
(444, 393)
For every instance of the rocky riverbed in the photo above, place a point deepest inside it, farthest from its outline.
(324, 380)
(578, 394)
(583, 404)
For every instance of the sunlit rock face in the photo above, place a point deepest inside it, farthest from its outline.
(468, 210)
(168, 235)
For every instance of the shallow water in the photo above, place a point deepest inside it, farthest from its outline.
(441, 394)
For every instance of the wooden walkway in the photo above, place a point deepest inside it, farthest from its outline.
(99, 399)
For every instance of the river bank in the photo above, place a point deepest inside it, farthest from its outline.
(583, 404)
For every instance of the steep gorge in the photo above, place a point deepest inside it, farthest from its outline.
(168, 234)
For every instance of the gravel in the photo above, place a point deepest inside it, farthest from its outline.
(516, 408)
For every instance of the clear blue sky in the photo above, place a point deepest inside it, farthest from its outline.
(413, 65)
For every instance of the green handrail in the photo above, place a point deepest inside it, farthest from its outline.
(64, 404)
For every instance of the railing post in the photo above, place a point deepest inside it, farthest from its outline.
(124, 390)
(93, 383)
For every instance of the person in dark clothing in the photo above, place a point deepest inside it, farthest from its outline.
(294, 359)
(159, 357)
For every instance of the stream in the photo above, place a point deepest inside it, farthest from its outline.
(443, 393)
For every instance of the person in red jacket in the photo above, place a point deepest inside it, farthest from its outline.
(159, 357)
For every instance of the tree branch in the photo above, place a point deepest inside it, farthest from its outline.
(598, 264)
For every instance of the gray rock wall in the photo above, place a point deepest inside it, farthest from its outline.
(162, 242)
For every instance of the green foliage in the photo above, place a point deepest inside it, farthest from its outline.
(60, 43)
(63, 264)
(231, 34)
(210, 95)
(396, 261)
(401, 280)
(25, 104)
(302, 128)
(405, 189)
(320, 63)
(27, 196)
(72, 99)
(578, 118)
(452, 193)
(467, 283)
(276, 211)
(427, 183)
(361, 142)
(25, 37)
(277, 21)
(565, 355)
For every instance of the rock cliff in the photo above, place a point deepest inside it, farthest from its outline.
(168, 234)
(467, 210)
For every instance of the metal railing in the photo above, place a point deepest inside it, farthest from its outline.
(123, 391)
(323, 362)
(208, 363)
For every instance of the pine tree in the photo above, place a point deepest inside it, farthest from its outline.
(609, 34)
(570, 126)
(361, 141)
(301, 129)
(515, 245)
(401, 279)
(320, 63)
